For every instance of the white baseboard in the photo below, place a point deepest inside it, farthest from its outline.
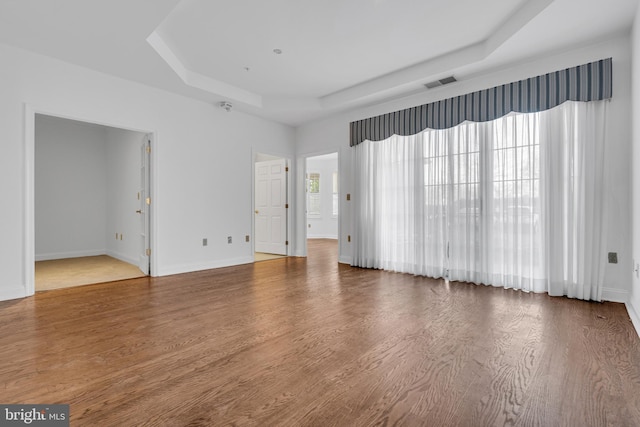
(74, 254)
(15, 292)
(322, 236)
(345, 259)
(633, 314)
(189, 268)
(122, 257)
(615, 295)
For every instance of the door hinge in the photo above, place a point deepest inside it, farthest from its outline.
(148, 200)
(286, 168)
(286, 243)
(148, 252)
(148, 149)
(286, 206)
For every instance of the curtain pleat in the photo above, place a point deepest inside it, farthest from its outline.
(573, 151)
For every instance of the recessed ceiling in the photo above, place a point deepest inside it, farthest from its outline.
(336, 54)
(327, 46)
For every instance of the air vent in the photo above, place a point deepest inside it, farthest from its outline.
(441, 82)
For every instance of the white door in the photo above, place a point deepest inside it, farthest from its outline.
(144, 204)
(271, 207)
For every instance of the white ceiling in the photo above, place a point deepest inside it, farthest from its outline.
(336, 54)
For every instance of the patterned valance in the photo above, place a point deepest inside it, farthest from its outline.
(588, 82)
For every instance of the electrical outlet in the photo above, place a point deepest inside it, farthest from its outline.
(246, 238)
(613, 257)
(229, 240)
(204, 242)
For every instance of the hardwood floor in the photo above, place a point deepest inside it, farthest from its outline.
(299, 341)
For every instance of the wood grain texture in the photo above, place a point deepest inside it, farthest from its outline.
(299, 341)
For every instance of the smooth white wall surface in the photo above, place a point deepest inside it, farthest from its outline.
(633, 305)
(202, 162)
(326, 225)
(123, 161)
(70, 188)
(332, 134)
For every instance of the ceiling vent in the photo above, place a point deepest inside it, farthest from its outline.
(441, 82)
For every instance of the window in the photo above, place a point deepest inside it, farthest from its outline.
(334, 211)
(313, 194)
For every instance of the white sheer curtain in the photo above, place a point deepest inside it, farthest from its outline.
(390, 228)
(515, 202)
(572, 174)
(495, 234)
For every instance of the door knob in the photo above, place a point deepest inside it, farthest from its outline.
(257, 212)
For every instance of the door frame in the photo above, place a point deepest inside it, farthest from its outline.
(146, 207)
(29, 243)
(302, 251)
(289, 163)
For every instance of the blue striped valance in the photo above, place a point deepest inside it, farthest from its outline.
(588, 82)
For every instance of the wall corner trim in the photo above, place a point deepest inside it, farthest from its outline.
(615, 295)
(633, 314)
(210, 265)
(343, 259)
(16, 292)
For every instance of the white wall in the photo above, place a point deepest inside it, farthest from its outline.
(201, 171)
(326, 225)
(332, 134)
(633, 305)
(123, 161)
(70, 188)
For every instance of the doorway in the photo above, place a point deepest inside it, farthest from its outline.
(271, 207)
(322, 201)
(91, 203)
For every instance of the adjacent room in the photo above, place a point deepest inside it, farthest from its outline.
(89, 198)
(322, 201)
(338, 213)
